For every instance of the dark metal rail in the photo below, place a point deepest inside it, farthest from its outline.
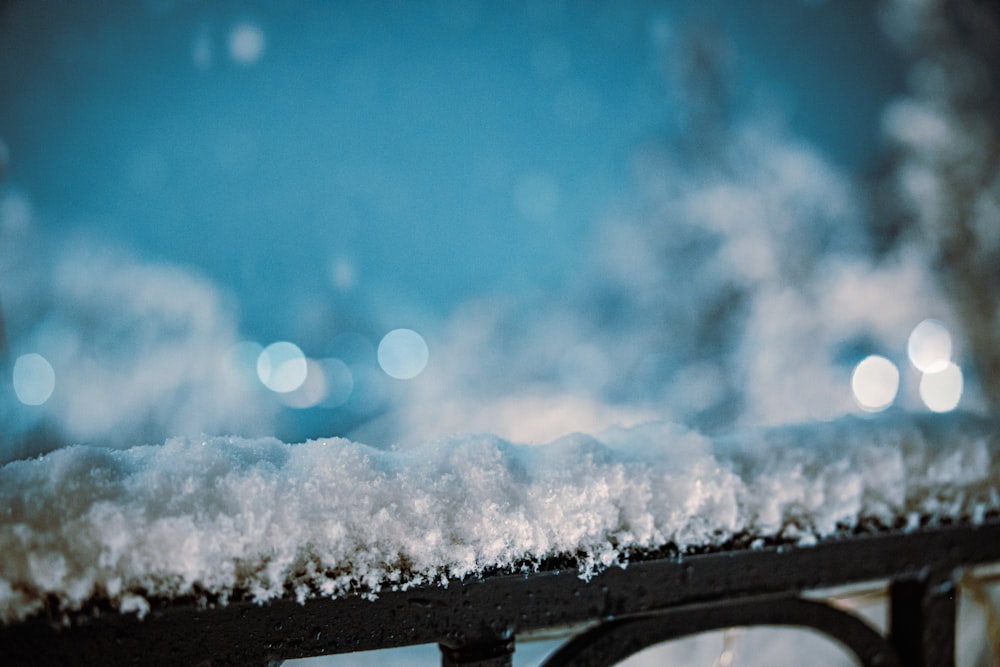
(475, 621)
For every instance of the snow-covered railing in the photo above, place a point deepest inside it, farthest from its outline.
(240, 552)
(616, 613)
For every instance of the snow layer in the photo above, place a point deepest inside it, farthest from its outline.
(220, 516)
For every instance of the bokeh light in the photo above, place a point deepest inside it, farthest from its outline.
(312, 390)
(34, 379)
(403, 354)
(329, 383)
(282, 367)
(339, 382)
(15, 212)
(201, 50)
(343, 274)
(941, 390)
(246, 43)
(929, 346)
(875, 383)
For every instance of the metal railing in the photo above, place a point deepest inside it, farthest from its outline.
(657, 598)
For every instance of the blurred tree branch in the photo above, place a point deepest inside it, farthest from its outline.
(944, 177)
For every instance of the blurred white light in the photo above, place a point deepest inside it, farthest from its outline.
(282, 367)
(402, 354)
(941, 390)
(311, 392)
(246, 43)
(536, 196)
(339, 382)
(240, 364)
(343, 275)
(15, 212)
(201, 50)
(875, 383)
(929, 346)
(34, 379)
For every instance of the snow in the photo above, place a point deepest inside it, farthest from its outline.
(218, 517)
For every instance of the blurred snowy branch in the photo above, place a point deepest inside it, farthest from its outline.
(944, 180)
(742, 286)
(140, 347)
